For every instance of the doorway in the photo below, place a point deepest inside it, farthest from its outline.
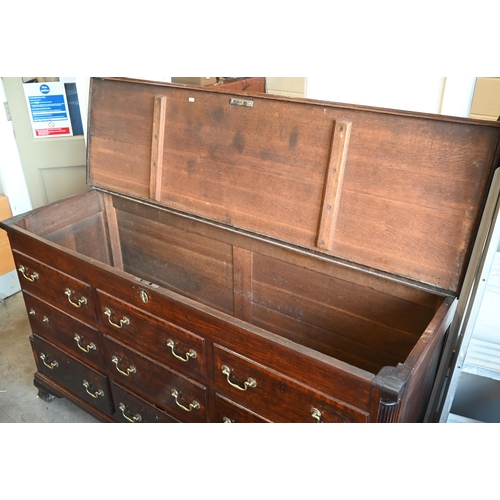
(54, 166)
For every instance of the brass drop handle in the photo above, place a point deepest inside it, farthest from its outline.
(87, 348)
(134, 418)
(316, 414)
(130, 369)
(52, 365)
(33, 277)
(192, 406)
(123, 322)
(95, 394)
(191, 354)
(249, 382)
(79, 303)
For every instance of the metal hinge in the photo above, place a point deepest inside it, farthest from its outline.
(241, 102)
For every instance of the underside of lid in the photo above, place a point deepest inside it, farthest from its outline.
(392, 191)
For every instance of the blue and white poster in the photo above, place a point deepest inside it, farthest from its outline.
(48, 109)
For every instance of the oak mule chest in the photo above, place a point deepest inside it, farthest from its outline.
(253, 258)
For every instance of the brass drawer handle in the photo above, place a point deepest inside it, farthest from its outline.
(130, 370)
(192, 406)
(88, 348)
(33, 277)
(250, 382)
(123, 322)
(81, 301)
(316, 414)
(96, 394)
(227, 420)
(52, 365)
(191, 354)
(134, 418)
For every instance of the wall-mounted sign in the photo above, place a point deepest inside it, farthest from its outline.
(48, 109)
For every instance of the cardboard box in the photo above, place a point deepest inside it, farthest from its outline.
(195, 80)
(6, 260)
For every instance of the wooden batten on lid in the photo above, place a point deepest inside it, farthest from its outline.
(392, 191)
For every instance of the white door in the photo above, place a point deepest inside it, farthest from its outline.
(54, 167)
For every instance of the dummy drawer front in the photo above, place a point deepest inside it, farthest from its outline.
(66, 332)
(180, 396)
(59, 289)
(130, 408)
(81, 380)
(275, 396)
(167, 343)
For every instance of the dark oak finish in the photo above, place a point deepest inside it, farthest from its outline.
(86, 383)
(75, 337)
(278, 260)
(130, 408)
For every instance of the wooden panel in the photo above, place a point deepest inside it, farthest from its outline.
(86, 236)
(411, 201)
(197, 267)
(407, 176)
(57, 216)
(6, 259)
(274, 396)
(242, 283)
(380, 321)
(330, 343)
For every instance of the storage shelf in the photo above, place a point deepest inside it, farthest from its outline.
(483, 359)
(459, 419)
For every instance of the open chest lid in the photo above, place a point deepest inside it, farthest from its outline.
(396, 192)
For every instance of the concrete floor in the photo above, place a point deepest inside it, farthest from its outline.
(19, 401)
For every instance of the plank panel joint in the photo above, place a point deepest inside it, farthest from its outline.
(242, 283)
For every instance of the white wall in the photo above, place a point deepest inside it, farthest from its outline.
(426, 94)
(11, 170)
(13, 185)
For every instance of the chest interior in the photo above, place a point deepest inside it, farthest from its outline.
(339, 228)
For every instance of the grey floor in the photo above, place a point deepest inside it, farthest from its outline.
(19, 401)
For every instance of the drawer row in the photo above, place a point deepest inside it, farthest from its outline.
(237, 379)
(111, 398)
(145, 354)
